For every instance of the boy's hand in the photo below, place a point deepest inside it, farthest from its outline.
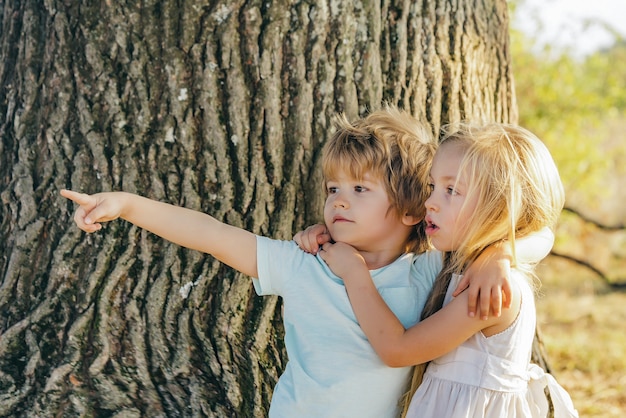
(488, 282)
(311, 239)
(93, 209)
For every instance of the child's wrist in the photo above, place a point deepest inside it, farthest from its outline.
(503, 248)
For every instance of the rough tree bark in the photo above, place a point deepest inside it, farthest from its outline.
(220, 106)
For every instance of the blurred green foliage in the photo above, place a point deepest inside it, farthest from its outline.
(577, 105)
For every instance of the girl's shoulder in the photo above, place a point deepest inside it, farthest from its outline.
(523, 283)
(521, 297)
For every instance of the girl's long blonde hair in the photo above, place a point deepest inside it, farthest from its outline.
(519, 192)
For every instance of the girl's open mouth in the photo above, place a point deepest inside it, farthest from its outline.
(431, 228)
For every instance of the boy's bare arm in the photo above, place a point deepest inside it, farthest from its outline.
(535, 247)
(233, 246)
(488, 277)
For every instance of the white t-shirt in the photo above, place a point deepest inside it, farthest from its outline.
(332, 370)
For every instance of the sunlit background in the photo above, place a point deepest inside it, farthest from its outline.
(584, 26)
(569, 59)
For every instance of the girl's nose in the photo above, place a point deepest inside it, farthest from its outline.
(430, 203)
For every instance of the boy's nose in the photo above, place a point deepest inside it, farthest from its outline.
(340, 203)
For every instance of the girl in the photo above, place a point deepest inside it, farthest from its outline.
(488, 184)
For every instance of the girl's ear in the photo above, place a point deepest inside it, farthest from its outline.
(410, 220)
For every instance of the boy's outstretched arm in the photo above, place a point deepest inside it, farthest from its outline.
(488, 277)
(233, 246)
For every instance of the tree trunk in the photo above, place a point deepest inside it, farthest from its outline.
(219, 106)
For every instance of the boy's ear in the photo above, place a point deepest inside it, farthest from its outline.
(410, 220)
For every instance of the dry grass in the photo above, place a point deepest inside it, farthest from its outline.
(582, 323)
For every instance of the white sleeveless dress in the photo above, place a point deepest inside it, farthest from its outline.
(491, 377)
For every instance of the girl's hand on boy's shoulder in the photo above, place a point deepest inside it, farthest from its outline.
(311, 239)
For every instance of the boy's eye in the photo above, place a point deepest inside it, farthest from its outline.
(331, 190)
(359, 189)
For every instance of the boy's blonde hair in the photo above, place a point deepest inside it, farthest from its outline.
(519, 192)
(393, 146)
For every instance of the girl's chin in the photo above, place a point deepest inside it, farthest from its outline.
(440, 245)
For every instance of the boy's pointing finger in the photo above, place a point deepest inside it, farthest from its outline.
(80, 198)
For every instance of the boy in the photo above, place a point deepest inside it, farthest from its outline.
(375, 172)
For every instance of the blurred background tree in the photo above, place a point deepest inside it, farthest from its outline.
(576, 102)
(577, 105)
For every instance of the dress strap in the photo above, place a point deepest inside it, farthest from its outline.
(539, 379)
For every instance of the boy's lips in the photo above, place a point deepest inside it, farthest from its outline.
(338, 218)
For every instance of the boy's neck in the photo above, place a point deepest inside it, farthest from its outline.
(379, 259)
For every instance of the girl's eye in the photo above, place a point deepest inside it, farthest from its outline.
(452, 191)
(331, 190)
(359, 189)
(430, 187)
